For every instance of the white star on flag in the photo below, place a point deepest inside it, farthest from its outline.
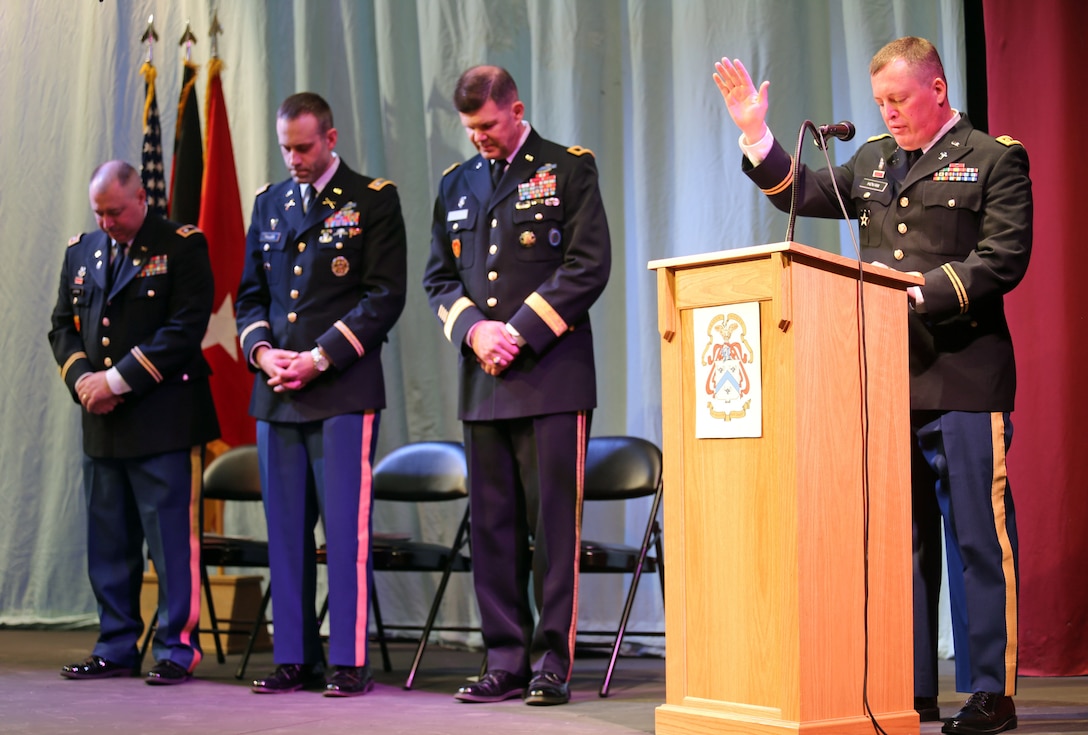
(221, 329)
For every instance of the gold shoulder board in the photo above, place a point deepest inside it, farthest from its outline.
(451, 168)
(1007, 140)
(74, 239)
(186, 230)
(379, 184)
(578, 150)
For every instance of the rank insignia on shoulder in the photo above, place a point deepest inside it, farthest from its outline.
(1007, 140)
(186, 230)
(451, 168)
(262, 189)
(74, 239)
(578, 150)
(379, 184)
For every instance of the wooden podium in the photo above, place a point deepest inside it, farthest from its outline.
(766, 613)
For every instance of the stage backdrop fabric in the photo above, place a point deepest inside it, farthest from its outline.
(629, 79)
(1036, 81)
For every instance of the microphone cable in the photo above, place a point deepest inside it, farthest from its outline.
(863, 368)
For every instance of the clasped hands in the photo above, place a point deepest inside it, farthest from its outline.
(95, 395)
(286, 369)
(495, 348)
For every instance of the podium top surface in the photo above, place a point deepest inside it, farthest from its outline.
(793, 250)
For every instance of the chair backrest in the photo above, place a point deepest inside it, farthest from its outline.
(234, 475)
(422, 472)
(619, 467)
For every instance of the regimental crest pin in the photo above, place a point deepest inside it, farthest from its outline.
(340, 266)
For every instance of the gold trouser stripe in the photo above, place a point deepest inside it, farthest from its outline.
(582, 440)
(455, 311)
(196, 473)
(1008, 565)
(81, 355)
(957, 284)
(544, 310)
(147, 364)
(350, 337)
(783, 184)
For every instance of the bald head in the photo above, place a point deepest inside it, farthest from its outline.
(115, 172)
(118, 200)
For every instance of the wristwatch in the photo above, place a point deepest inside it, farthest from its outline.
(320, 361)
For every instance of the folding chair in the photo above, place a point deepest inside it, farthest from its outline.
(623, 468)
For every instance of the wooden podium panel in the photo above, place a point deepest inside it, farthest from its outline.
(768, 630)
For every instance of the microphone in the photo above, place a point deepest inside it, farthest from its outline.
(843, 130)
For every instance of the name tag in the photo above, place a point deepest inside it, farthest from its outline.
(270, 236)
(457, 215)
(874, 185)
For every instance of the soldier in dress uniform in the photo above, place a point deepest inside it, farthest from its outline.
(517, 259)
(323, 283)
(937, 198)
(134, 302)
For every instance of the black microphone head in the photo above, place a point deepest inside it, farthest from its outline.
(848, 130)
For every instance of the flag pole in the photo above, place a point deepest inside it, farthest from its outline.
(151, 155)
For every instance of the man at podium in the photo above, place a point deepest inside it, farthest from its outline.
(935, 197)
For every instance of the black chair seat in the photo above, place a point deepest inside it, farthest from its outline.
(232, 551)
(415, 556)
(612, 559)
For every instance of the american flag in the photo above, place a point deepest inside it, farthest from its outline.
(152, 170)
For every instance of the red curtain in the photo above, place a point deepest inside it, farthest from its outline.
(1037, 84)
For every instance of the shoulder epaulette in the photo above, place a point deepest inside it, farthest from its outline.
(186, 230)
(878, 137)
(379, 184)
(262, 189)
(75, 238)
(578, 150)
(451, 168)
(1007, 140)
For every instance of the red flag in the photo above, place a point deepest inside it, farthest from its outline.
(221, 221)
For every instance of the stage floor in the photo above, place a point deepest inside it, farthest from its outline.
(35, 699)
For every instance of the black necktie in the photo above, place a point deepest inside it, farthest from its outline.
(912, 157)
(498, 168)
(308, 198)
(117, 259)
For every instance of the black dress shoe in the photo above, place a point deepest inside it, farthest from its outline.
(984, 713)
(94, 667)
(495, 686)
(349, 681)
(288, 678)
(167, 672)
(547, 688)
(927, 709)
